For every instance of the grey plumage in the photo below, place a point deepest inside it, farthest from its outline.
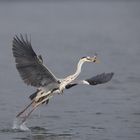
(98, 79)
(29, 65)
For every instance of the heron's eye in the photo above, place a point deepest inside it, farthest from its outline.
(83, 57)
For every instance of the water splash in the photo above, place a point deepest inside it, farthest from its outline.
(18, 126)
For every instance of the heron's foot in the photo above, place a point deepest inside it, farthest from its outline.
(21, 119)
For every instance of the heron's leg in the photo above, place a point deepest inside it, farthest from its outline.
(20, 113)
(33, 102)
(43, 94)
(25, 118)
(35, 106)
(46, 94)
(44, 100)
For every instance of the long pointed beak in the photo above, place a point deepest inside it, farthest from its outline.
(95, 59)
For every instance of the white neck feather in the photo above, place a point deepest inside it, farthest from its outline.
(79, 66)
(70, 78)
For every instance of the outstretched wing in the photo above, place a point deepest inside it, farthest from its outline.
(98, 79)
(29, 65)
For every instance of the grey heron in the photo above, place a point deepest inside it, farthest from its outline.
(33, 72)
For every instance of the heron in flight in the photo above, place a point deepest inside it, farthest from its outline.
(33, 72)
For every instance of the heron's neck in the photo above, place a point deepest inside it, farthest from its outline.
(70, 78)
(79, 66)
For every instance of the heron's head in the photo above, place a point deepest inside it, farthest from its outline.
(90, 59)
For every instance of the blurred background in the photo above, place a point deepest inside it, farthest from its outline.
(63, 32)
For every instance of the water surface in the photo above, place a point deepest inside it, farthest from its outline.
(63, 32)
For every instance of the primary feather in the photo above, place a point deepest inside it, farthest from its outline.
(29, 65)
(98, 79)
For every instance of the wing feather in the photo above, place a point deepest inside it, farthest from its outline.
(29, 65)
(98, 79)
